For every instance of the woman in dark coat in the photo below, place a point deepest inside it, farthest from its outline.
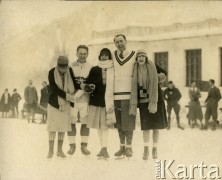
(145, 86)
(44, 100)
(101, 104)
(6, 103)
(61, 82)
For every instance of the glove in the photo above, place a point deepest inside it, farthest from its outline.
(152, 107)
(78, 94)
(70, 97)
(110, 118)
(89, 88)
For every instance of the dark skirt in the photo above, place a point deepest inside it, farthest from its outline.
(124, 121)
(156, 120)
(44, 104)
(5, 107)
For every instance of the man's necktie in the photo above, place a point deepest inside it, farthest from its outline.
(121, 55)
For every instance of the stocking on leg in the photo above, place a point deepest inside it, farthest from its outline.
(72, 139)
(155, 143)
(146, 139)
(122, 138)
(129, 137)
(60, 144)
(84, 132)
(105, 134)
(51, 144)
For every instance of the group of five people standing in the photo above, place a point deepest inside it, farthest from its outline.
(104, 96)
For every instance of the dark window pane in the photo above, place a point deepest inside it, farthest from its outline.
(193, 66)
(161, 59)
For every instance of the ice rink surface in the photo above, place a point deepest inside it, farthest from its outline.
(24, 148)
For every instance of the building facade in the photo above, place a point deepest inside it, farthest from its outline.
(189, 52)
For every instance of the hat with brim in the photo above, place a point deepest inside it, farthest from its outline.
(141, 52)
(62, 62)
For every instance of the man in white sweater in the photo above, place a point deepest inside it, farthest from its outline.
(124, 61)
(81, 71)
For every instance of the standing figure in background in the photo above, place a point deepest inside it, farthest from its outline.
(62, 88)
(172, 95)
(211, 102)
(31, 100)
(101, 103)
(15, 102)
(44, 100)
(6, 103)
(81, 71)
(195, 111)
(147, 95)
(124, 60)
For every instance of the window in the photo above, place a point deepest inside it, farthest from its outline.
(161, 59)
(193, 66)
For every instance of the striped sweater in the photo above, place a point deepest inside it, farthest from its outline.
(123, 74)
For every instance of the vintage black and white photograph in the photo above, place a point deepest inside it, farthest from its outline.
(93, 90)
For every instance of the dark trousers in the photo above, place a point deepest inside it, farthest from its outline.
(211, 110)
(176, 108)
(15, 111)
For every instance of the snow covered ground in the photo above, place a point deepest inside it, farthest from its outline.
(24, 148)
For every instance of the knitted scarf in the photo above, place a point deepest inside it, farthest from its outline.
(152, 85)
(68, 86)
(109, 97)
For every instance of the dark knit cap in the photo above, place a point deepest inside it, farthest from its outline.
(62, 62)
(107, 52)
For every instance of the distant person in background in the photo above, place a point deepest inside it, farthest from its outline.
(211, 102)
(31, 100)
(44, 100)
(15, 102)
(172, 95)
(195, 111)
(6, 103)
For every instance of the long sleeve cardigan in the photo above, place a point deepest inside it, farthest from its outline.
(55, 91)
(97, 97)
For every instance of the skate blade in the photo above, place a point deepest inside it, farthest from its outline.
(86, 156)
(102, 158)
(120, 157)
(128, 158)
(61, 158)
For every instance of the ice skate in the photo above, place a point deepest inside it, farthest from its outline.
(120, 154)
(85, 151)
(100, 153)
(103, 154)
(59, 151)
(128, 153)
(213, 127)
(72, 149)
(146, 153)
(180, 127)
(50, 155)
(205, 127)
(61, 154)
(51, 147)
